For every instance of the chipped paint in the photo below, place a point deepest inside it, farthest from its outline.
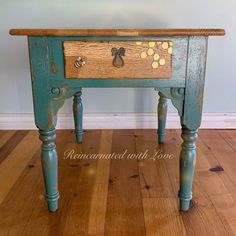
(54, 68)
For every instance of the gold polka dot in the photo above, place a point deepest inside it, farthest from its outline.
(151, 44)
(170, 50)
(138, 43)
(165, 45)
(162, 62)
(158, 43)
(155, 65)
(171, 43)
(150, 51)
(143, 55)
(156, 56)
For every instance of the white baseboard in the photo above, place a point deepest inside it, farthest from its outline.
(24, 121)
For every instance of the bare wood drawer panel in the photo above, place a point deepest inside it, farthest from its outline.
(141, 59)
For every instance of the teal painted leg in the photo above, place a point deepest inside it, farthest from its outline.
(187, 166)
(162, 112)
(191, 117)
(50, 167)
(78, 116)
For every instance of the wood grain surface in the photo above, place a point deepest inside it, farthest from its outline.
(118, 32)
(141, 60)
(118, 197)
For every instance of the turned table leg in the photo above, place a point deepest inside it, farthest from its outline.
(187, 166)
(191, 115)
(162, 112)
(50, 167)
(78, 116)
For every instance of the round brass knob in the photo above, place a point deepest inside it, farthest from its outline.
(79, 62)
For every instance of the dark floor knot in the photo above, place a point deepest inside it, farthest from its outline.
(74, 165)
(147, 187)
(134, 176)
(216, 169)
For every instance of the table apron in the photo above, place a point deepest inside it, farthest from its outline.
(57, 73)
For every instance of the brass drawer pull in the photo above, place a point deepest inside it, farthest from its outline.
(118, 53)
(79, 62)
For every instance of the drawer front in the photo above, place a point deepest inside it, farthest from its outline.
(118, 59)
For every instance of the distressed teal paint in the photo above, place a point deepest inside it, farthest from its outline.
(50, 167)
(191, 117)
(195, 78)
(39, 64)
(51, 88)
(78, 116)
(45, 116)
(176, 95)
(187, 166)
(162, 112)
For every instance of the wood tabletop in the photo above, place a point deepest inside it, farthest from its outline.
(118, 32)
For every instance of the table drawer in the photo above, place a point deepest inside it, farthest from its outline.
(118, 59)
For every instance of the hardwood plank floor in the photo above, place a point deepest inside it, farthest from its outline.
(133, 193)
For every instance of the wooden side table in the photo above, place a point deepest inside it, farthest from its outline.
(63, 61)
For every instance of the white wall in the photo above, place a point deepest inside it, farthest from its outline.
(15, 89)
